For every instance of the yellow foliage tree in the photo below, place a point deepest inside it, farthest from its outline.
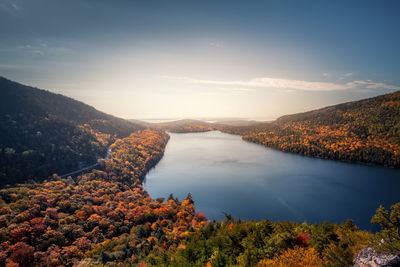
(298, 256)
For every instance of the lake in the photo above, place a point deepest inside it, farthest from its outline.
(225, 174)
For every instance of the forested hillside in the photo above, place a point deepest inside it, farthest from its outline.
(106, 218)
(366, 131)
(184, 126)
(43, 133)
(104, 215)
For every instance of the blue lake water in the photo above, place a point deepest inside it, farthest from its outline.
(226, 174)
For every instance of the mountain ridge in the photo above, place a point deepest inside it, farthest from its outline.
(364, 131)
(42, 133)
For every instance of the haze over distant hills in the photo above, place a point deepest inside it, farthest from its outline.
(364, 131)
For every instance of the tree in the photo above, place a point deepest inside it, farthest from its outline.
(297, 256)
(82, 243)
(390, 229)
(189, 198)
(21, 253)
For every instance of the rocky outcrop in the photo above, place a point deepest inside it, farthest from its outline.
(368, 257)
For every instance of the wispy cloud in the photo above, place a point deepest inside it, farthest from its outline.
(216, 44)
(348, 74)
(42, 48)
(16, 7)
(10, 8)
(34, 49)
(266, 82)
(374, 85)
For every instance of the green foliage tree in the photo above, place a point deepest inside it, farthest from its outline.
(390, 229)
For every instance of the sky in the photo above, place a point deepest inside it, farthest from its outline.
(203, 59)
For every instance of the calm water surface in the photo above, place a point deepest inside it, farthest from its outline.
(226, 174)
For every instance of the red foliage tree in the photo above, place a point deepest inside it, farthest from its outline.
(302, 239)
(82, 243)
(21, 253)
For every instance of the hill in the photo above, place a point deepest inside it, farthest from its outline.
(239, 123)
(42, 133)
(183, 126)
(365, 131)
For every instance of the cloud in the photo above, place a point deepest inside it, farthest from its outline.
(287, 84)
(16, 7)
(34, 49)
(325, 74)
(10, 8)
(42, 48)
(374, 85)
(216, 44)
(348, 74)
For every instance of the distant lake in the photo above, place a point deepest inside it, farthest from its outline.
(226, 174)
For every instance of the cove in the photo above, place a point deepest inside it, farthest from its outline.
(225, 174)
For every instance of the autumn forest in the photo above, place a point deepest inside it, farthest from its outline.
(103, 216)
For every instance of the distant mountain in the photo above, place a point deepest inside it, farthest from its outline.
(184, 126)
(239, 122)
(43, 133)
(365, 131)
